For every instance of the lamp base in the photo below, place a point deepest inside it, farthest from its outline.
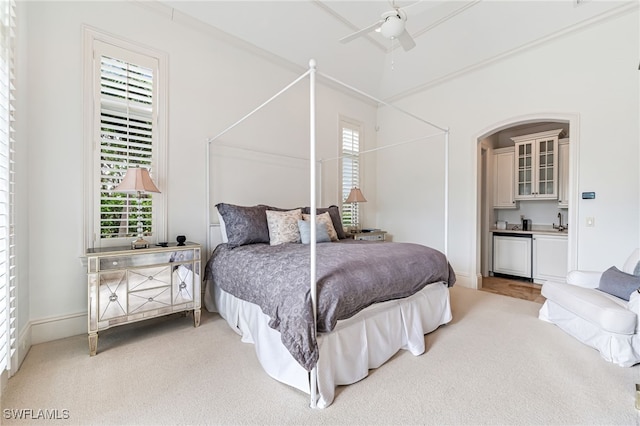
(139, 243)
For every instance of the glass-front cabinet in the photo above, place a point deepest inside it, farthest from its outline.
(536, 165)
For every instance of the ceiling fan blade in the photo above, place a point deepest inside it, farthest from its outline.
(406, 41)
(361, 32)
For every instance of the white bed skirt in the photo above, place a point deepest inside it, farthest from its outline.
(365, 341)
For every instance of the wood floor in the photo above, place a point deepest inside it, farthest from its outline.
(513, 288)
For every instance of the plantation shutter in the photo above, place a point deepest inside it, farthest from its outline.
(7, 136)
(127, 115)
(350, 170)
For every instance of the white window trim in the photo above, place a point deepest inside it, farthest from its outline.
(356, 125)
(92, 141)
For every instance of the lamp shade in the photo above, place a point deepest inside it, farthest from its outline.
(137, 179)
(355, 196)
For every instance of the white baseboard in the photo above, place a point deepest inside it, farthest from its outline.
(464, 280)
(46, 330)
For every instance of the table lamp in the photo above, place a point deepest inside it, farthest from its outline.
(355, 196)
(137, 181)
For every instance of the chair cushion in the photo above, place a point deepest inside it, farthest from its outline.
(601, 309)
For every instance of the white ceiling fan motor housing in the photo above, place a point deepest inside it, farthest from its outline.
(393, 24)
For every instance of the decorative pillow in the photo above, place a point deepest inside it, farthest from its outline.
(322, 236)
(244, 225)
(618, 283)
(334, 212)
(324, 219)
(283, 226)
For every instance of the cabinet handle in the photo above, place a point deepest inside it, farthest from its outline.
(150, 278)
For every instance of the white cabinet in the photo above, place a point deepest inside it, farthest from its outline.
(536, 166)
(503, 178)
(512, 254)
(549, 258)
(563, 173)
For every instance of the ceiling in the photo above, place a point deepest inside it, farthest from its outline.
(452, 36)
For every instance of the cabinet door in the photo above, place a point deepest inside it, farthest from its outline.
(563, 175)
(536, 168)
(547, 168)
(112, 295)
(512, 256)
(524, 170)
(503, 180)
(550, 257)
(182, 278)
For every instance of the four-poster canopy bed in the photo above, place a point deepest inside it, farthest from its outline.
(321, 313)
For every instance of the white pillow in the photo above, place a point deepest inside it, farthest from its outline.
(326, 219)
(283, 226)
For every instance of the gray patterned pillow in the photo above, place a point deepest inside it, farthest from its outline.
(283, 226)
(244, 225)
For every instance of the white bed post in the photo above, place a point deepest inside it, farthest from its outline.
(313, 382)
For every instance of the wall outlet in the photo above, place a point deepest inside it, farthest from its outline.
(591, 221)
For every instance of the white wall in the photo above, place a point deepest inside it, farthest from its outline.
(212, 82)
(592, 72)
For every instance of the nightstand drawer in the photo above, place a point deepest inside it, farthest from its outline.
(369, 236)
(375, 237)
(132, 261)
(144, 278)
(148, 300)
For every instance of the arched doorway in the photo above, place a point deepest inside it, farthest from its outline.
(489, 139)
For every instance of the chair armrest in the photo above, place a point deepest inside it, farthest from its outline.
(587, 279)
(634, 306)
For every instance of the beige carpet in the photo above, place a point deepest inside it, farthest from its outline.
(496, 363)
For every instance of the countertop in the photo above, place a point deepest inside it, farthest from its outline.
(537, 230)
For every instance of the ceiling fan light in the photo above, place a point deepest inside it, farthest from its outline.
(392, 27)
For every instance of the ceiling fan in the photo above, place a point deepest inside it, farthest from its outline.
(391, 25)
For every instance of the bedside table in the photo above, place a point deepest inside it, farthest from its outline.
(126, 285)
(368, 236)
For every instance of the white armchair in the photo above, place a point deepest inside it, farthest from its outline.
(598, 319)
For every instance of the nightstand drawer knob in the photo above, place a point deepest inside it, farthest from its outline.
(113, 297)
(150, 299)
(150, 278)
(183, 285)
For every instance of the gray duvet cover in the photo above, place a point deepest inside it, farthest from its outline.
(351, 275)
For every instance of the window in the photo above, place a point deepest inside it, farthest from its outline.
(7, 136)
(350, 135)
(127, 104)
